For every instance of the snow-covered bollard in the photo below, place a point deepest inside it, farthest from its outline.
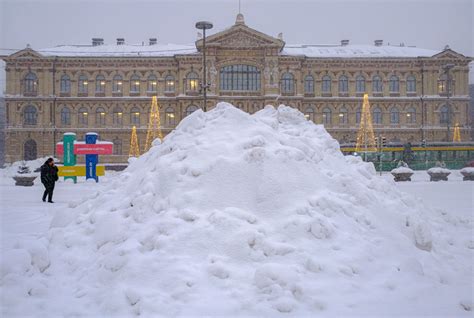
(402, 174)
(438, 174)
(468, 173)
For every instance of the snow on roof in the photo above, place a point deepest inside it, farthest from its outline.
(124, 50)
(356, 51)
(157, 50)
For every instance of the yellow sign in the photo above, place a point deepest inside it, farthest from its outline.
(79, 171)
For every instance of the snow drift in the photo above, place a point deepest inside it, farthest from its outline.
(238, 214)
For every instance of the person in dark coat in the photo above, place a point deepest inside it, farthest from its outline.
(49, 175)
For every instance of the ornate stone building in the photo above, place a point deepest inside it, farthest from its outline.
(108, 88)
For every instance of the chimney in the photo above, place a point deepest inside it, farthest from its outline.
(97, 41)
(378, 42)
(153, 41)
(344, 42)
(120, 41)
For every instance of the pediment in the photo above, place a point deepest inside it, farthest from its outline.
(241, 36)
(449, 54)
(26, 54)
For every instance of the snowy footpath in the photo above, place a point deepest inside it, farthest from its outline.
(240, 215)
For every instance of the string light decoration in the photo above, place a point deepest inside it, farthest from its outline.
(457, 133)
(365, 135)
(154, 125)
(134, 149)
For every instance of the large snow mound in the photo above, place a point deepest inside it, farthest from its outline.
(238, 214)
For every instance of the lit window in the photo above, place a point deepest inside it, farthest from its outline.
(135, 84)
(152, 83)
(309, 113)
(411, 115)
(170, 117)
(192, 81)
(100, 116)
(343, 116)
(83, 116)
(117, 117)
(169, 83)
(327, 114)
(135, 116)
(100, 84)
(83, 84)
(117, 84)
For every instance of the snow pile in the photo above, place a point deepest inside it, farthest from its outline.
(402, 169)
(438, 170)
(238, 214)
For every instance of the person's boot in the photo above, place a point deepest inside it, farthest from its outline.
(50, 201)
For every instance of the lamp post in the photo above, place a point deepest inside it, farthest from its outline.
(446, 69)
(204, 25)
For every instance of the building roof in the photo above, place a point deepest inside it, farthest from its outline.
(123, 50)
(158, 50)
(349, 51)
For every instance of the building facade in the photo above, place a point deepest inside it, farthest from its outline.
(108, 88)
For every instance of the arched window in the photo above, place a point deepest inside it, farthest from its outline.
(343, 115)
(117, 83)
(343, 84)
(240, 77)
(327, 114)
(170, 116)
(117, 116)
(287, 83)
(30, 115)
(411, 115)
(135, 84)
(31, 83)
(443, 85)
(117, 146)
(191, 109)
(394, 86)
(100, 116)
(152, 83)
(82, 84)
(192, 82)
(100, 84)
(30, 150)
(83, 116)
(309, 113)
(443, 115)
(309, 84)
(135, 116)
(411, 84)
(377, 84)
(65, 86)
(169, 83)
(394, 115)
(377, 116)
(358, 115)
(360, 84)
(326, 84)
(65, 116)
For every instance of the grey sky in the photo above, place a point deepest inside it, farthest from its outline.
(425, 23)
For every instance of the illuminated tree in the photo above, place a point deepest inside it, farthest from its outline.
(457, 133)
(134, 150)
(154, 125)
(365, 135)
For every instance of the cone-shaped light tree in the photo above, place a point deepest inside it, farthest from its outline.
(365, 135)
(154, 125)
(457, 133)
(134, 149)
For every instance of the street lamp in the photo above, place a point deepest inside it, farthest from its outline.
(446, 69)
(204, 25)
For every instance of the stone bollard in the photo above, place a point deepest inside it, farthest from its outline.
(467, 173)
(438, 174)
(402, 174)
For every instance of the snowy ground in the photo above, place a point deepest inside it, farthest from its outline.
(24, 217)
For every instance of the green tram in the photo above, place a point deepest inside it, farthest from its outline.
(455, 155)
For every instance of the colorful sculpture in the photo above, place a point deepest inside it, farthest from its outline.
(91, 148)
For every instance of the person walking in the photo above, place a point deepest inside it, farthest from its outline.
(49, 175)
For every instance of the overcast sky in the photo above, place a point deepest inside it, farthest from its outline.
(424, 23)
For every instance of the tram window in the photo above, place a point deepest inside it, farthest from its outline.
(462, 154)
(454, 154)
(440, 157)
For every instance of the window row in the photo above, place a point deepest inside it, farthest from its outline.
(117, 84)
(288, 84)
(377, 115)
